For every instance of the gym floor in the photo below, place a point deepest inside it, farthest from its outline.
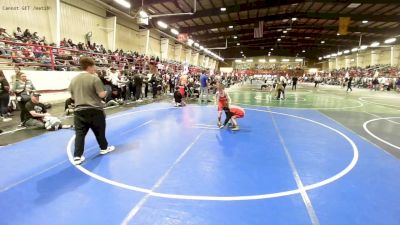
(322, 156)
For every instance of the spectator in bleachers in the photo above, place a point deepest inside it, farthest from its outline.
(27, 34)
(23, 89)
(4, 97)
(3, 33)
(3, 50)
(37, 50)
(19, 34)
(35, 37)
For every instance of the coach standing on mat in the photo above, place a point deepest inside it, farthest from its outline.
(203, 86)
(87, 90)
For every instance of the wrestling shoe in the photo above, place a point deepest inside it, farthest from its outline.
(219, 124)
(107, 150)
(236, 128)
(79, 160)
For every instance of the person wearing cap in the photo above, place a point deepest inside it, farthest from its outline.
(35, 112)
(37, 116)
(87, 90)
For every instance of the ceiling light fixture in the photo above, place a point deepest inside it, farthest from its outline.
(124, 3)
(365, 21)
(235, 37)
(353, 5)
(230, 27)
(390, 40)
(322, 42)
(143, 14)
(223, 9)
(162, 24)
(174, 31)
(375, 44)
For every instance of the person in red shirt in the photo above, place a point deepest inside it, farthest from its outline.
(232, 113)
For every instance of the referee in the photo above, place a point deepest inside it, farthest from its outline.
(87, 91)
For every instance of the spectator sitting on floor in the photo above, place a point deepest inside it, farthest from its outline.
(114, 98)
(178, 98)
(38, 118)
(69, 106)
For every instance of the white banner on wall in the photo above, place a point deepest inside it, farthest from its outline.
(46, 80)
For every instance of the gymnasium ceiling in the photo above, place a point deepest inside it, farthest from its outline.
(316, 22)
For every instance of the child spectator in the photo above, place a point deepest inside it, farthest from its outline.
(178, 98)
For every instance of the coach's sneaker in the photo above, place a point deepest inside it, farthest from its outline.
(236, 128)
(79, 160)
(107, 150)
(219, 124)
